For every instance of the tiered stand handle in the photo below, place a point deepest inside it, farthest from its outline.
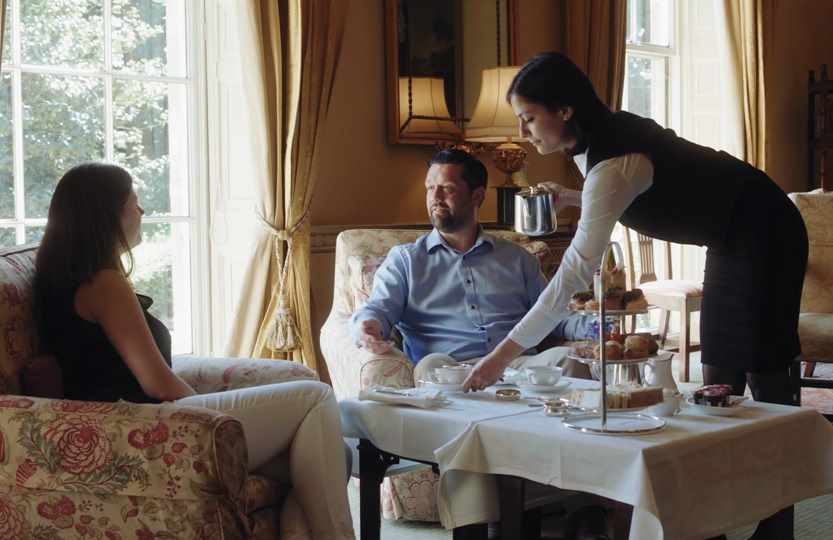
(600, 290)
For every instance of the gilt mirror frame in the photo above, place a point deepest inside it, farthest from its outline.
(508, 46)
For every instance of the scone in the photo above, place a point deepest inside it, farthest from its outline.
(613, 350)
(591, 305)
(579, 299)
(637, 347)
(634, 300)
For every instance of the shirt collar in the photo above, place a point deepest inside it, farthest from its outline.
(435, 239)
(581, 162)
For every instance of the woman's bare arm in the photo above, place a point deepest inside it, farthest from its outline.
(110, 301)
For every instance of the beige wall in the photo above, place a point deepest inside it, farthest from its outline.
(800, 40)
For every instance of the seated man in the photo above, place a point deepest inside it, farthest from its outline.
(457, 290)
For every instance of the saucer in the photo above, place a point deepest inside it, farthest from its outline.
(533, 388)
(451, 388)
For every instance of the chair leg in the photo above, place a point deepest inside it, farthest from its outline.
(664, 317)
(809, 368)
(685, 336)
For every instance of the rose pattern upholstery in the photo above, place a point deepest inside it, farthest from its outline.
(77, 469)
(359, 253)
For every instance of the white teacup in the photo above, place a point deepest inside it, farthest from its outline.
(543, 374)
(452, 374)
(670, 405)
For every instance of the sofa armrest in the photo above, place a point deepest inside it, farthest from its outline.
(207, 375)
(164, 451)
(353, 368)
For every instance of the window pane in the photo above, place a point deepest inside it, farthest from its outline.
(7, 34)
(34, 233)
(62, 126)
(149, 36)
(7, 154)
(67, 33)
(7, 236)
(162, 271)
(150, 139)
(649, 22)
(646, 87)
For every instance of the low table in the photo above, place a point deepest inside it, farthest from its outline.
(700, 477)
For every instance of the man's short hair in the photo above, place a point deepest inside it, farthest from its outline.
(474, 172)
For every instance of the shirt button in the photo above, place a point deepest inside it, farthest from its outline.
(468, 281)
(488, 340)
(473, 306)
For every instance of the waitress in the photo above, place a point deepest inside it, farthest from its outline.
(671, 189)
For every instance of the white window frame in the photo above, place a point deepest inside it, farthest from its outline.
(199, 303)
(671, 55)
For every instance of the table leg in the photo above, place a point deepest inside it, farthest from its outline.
(475, 531)
(622, 516)
(514, 522)
(372, 466)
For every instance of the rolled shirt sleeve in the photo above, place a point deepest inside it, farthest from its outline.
(610, 187)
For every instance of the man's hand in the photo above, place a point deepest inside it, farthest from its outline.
(485, 373)
(371, 337)
(562, 197)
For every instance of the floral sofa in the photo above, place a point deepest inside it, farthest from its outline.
(76, 469)
(359, 252)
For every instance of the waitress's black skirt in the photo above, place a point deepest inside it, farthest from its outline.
(752, 286)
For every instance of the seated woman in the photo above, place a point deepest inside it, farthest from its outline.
(110, 348)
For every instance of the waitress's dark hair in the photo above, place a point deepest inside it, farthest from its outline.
(83, 231)
(553, 81)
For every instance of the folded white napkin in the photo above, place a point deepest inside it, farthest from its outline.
(424, 398)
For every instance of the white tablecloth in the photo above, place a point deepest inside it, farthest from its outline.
(701, 476)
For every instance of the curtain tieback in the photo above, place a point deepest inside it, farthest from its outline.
(283, 335)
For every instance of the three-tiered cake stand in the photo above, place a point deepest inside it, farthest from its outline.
(604, 422)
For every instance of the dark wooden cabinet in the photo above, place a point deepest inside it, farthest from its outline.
(820, 129)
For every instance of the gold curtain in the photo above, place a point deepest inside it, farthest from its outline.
(745, 31)
(594, 33)
(300, 49)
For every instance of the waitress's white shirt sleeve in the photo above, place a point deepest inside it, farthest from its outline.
(609, 188)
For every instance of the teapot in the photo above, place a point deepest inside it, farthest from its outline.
(535, 212)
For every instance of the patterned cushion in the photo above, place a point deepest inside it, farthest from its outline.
(820, 399)
(816, 333)
(260, 492)
(17, 333)
(362, 270)
(816, 208)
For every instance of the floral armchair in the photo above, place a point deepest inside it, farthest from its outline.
(359, 253)
(77, 469)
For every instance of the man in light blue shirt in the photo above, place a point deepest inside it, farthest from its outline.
(457, 290)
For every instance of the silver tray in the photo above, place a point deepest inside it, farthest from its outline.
(618, 423)
(662, 356)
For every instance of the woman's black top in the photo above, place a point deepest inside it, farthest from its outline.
(756, 239)
(92, 368)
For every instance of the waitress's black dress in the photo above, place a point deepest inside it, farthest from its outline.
(756, 239)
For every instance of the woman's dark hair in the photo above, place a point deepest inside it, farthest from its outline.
(553, 81)
(83, 231)
(474, 172)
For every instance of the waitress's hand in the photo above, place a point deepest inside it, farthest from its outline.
(490, 368)
(564, 197)
(485, 373)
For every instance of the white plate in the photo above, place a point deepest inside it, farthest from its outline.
(445, 387)
(531, 388)
(731, 410)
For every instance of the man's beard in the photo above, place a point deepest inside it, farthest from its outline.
(447, 223)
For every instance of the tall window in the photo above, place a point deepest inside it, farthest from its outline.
(651, 54)
(109, 80)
